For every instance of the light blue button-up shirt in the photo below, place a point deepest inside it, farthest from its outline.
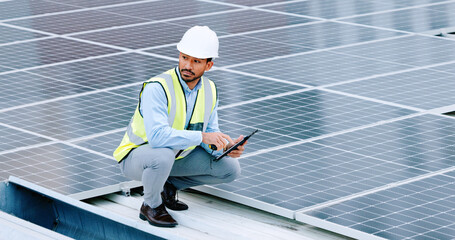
(159, 133)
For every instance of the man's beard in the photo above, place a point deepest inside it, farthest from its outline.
(189, 80)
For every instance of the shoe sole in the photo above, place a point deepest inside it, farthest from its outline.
(142, 217)
(176, 209)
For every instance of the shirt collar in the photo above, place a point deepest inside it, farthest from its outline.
(184, 85)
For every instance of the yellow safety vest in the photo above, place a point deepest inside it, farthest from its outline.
(176, 109)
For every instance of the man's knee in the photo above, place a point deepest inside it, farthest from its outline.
(232, 171)
(162, 158)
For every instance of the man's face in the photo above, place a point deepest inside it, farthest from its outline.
(192, 68)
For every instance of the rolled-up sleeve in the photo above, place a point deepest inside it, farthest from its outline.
(154, 111)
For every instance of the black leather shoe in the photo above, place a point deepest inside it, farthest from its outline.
(157, 216)
(169, 198)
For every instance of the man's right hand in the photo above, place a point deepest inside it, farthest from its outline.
(216, 138)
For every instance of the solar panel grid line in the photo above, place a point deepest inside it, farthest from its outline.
(160, 56)
(276, 3)
(332, 134)
(17, 149)
(320, 223)
(226, 4)
(81, 9)
(296, 43)
(416, 212)
(25, 41)
(13, 9)
(60, 63)
(95, 91)
(393, 10)
(29, 30)
(239, 34)
(373, 99)
(364, 155)
(73, 140)
(388, 74)
(396, 30)
(151, 22)
(402, 44)
(263, 98)
(377, 27)
(431, 24)
(289, 14)
(316, 51)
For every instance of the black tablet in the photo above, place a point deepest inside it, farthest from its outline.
(233, 147)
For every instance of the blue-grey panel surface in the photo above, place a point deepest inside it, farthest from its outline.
(331, 8)
(104, 144)
(425, 142)
(26, 8)
(404, 20)
(98, 3)
(419, 210)
(241, 50)
(252, 3)
(76, 21)
(9, 34)
(21, 88)
(139, 36)
(65, 169)
(74, 117)
(424, 88)
(308, 174)
(243, 20)
(416, 51)
(13, 138)
(235, 88)
(48, 51)
(310, 114)
(110, 71)
(321, 35)
(159, 10)
(321, 68)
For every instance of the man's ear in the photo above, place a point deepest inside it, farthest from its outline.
(208, 65)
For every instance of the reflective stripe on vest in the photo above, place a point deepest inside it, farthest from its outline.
(205, 103)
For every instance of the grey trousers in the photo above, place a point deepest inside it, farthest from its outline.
(155, 166)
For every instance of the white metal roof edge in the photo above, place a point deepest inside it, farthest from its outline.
(17, 228)
(246, 201)
(350, 232)
(101, 212)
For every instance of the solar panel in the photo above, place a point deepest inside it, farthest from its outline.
(416, 51)
(60, 167)
(8, 35)
(330, 9)
(48, 51)
(322, 35)
(419, 210)
(425, 88)
(429, 20)
(26, 8)
(321, 68)
(347, 95)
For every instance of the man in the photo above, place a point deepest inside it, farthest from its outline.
(166, 145)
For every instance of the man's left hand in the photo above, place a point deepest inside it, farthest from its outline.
(237, 152)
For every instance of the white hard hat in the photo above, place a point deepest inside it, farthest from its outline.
(199, 42)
